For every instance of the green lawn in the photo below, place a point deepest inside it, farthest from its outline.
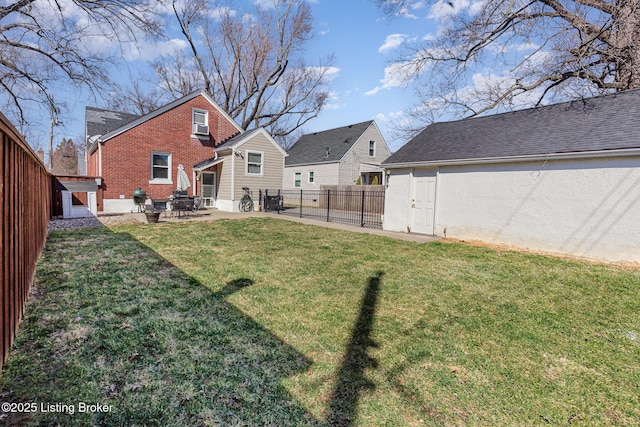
(268, 322)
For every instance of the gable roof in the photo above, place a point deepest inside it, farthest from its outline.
(604, 123)
(233, 144)
(99, 121)
(312, 148)
(122, 124)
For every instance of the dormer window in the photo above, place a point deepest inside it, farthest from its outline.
(200, 122)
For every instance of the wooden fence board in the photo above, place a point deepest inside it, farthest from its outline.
(25, 189)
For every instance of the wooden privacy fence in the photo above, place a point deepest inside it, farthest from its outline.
(25, 196)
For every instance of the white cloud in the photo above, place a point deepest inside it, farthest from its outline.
(392, 42)
(330, 73)
(476, 7)
(395, 75)
(219, 12)
(333, 102)
(145, 50)
(444, 8)
(265, 4)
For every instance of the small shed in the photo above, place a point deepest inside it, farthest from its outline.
(76, 196)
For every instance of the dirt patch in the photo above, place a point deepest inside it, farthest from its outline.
(507, 248)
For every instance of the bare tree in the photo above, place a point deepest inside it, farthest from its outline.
(551, 49)
(48, 42)
(135, 99)
(252, 65)
(65, 158)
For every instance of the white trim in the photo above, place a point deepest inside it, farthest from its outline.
(625, 152)
(195, 111)
(167, 180)
(99, 159)
(209, 164)
(312, 164)
(246, 163)
(247, 136)
(294, 180)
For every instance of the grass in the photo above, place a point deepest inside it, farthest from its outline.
(268, 322)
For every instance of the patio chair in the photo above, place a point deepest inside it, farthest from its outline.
(196, 203)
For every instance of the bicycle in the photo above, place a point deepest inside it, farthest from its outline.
(246, 203)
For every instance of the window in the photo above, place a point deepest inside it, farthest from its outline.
(254, 163)
(372, 148)
(297, 179)
(199, 122)
(312, 177)
(200, 117)
(160, 168)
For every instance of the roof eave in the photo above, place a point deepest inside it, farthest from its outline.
(625, 152)
(313, 163)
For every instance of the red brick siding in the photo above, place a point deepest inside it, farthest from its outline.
(126, 158)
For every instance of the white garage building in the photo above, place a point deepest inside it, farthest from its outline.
(563, 178)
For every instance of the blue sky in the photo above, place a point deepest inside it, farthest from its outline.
(363, 86)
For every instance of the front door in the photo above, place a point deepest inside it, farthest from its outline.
(208, 189)
(424, 201)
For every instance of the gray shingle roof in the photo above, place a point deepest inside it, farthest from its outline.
(606, 122)
(100, 121)
(312, 148)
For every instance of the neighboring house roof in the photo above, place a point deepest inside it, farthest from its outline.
(328, 146)
(100, 121)
(121, 125)
(600, 124)
(233, 144)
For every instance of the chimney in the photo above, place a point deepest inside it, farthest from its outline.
(41, 155)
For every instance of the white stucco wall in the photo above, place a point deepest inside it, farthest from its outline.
(588, 208)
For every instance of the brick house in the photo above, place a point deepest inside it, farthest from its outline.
(131, 152)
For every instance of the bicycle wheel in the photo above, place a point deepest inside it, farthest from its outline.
(246, 204)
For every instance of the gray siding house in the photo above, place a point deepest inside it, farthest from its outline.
(336, 157)
(562, 178)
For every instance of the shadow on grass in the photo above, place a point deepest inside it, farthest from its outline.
(351, 376)
(114, 323)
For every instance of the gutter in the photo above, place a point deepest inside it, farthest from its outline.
(626, 152)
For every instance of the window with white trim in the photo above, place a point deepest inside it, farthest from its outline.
(160, 168)
(297, 179)
(312, 177)
(254, 162)
(200, 117)
(372, 148)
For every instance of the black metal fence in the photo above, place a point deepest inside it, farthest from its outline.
(363, 208)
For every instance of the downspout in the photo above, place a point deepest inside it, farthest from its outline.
(436, 203)
(233, 179)
(99, 158)
(410, 213)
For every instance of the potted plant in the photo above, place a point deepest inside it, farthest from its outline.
(152, 215)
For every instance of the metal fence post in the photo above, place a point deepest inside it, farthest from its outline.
(279, 202)
(300, 203)
(362, 211)
(328, 203)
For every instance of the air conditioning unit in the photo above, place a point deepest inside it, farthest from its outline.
(200, 129)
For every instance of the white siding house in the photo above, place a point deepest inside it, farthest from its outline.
(336, 157)
(563, 178)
